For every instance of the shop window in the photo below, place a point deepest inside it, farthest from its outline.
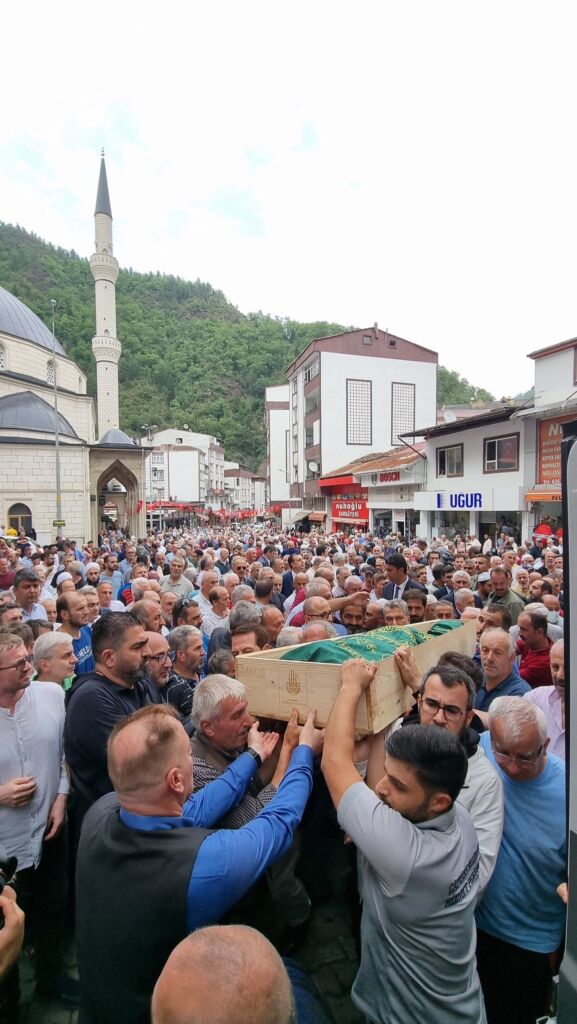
(402, 411)
(501, 454)
(359, 411)
(450, 461)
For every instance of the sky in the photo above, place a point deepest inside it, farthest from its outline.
(410, 164)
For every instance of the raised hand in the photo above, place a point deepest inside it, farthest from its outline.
(358, 673)
(264, 743)
(311, 736)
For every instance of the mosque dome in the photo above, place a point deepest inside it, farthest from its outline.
(116, 438)
(18, 320)
(27, 411)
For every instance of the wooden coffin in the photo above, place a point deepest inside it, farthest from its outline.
(275, 687)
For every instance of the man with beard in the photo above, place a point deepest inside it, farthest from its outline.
(418, 862)
(446, 698)
(97, 701)
(72, 610)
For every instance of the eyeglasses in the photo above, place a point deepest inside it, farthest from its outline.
(321, 615)
(528, 760)
(159, 658)
(19, 665)
(451, 712)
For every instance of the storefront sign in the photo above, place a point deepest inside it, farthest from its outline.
(390, 478)
(549, 450)
(461, 499)
(349, 509)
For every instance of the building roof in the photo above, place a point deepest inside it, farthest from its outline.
(503, 412)
(380, 461)
(102, 197)
(115, 438)
(551, 350)
(387, 345)
(27, 411)
(18, 320)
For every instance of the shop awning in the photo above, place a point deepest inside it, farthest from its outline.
(299, 516)
(543, 496)
(317, 517)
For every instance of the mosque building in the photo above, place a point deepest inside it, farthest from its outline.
(101, 468)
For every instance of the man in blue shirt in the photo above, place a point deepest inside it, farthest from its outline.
(521, 920)
(149, 868)
(72, 612)
(497, 651)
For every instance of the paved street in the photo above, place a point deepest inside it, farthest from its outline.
(329, 955)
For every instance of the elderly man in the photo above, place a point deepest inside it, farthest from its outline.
(551, 700)
(33, 795)
(210, 580)
(497, 652)
(464, 598)
(534, 648)
(397, 613)
(223, 726)
(54, 659)
(501, 592)
(149, 614)
(188, 658)
(272, 620)
(176, 582)
(216, 617)
(105, 592)
(521, 920)
(374, 616)
(152, 828)
(92, 603)
(418, 862)
(26, 589)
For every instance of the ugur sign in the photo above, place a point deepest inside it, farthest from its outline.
(461, 499)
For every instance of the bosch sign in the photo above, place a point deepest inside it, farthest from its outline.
(390, 478)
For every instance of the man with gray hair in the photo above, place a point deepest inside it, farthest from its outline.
(222, 726)
(521, 920)
(464, 598)
(289, 636)
(497, 652)
(53, 658)
(243, 593)
(187, 653)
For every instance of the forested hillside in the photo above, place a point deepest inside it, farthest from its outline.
(188, 355)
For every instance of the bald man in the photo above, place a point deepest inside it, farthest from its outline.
(150, 866)
(254, 986)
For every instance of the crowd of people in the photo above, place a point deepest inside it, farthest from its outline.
(183, 841)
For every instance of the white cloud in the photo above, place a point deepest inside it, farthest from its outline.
(409, 163)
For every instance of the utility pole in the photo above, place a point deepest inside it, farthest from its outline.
(58, 519)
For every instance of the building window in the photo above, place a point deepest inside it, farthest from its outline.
(450, 461)
(501, 454)
(367, 339)
(158, 458)
(359, 411)
(50, 371)
(294, 385)
(402, 411)
(2, 357)
(312, 370)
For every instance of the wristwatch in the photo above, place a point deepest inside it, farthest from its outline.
(255, 754)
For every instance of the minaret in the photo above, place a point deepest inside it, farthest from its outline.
(105, 344)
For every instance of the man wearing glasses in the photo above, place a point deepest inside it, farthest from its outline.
(446, 698)
(521, 920)
(33, 795)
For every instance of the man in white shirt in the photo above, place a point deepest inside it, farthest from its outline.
(177, 583)
(33, 794)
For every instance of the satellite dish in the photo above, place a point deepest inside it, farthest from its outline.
(313, 466)
(185, 426)
(450, 416)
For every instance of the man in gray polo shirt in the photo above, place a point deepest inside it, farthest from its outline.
(418, 867)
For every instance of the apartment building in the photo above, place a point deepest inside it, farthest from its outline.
(352, 394)
(184, 465)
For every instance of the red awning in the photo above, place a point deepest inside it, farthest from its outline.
(352, 522)
(333, 481)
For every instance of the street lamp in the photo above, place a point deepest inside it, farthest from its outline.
(56, 431)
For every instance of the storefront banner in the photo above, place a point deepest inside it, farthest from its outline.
(550, 436)
(349, 509)
(453, 500)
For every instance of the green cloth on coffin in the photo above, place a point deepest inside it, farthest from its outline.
(374, 646)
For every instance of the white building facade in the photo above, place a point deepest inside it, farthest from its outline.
(182, 465)
(277, 445)
(350, 395)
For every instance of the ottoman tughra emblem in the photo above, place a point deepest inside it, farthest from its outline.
(293, 685)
